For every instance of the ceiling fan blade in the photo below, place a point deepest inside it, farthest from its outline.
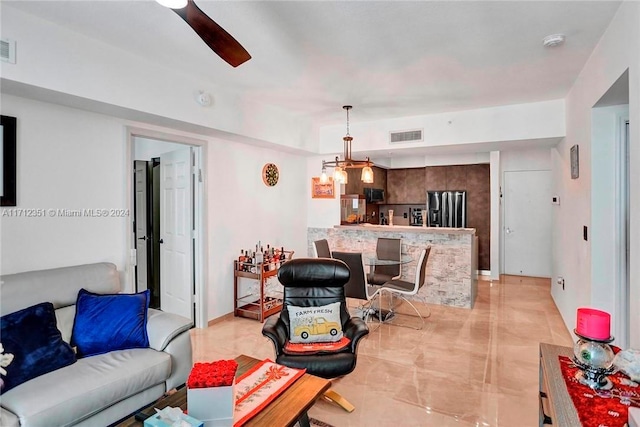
(221, 42)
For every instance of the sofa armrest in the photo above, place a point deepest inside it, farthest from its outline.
(163, 327)
(170, 333)
(8, 418)
(181, 360)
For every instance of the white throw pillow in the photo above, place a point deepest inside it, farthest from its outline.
(315, 324)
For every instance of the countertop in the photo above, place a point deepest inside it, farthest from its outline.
(405, 228)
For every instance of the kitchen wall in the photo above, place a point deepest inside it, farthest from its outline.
(407, 188)
(474, 179)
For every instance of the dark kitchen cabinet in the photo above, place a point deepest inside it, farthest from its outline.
(414, 186)
(457, 177)
(395, 185)
(406, 186)
(435, 178)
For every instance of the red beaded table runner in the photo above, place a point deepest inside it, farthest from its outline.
(599, 408)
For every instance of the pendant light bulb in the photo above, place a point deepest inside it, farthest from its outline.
(345, 177)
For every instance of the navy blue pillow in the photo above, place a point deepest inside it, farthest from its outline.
(32, 336)
(108, 322)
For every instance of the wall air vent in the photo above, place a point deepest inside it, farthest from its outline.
(405, 136)
(8, 50)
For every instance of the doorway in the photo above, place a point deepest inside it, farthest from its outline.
(167, 189)
(623, 232)
(527, 223)
(610, 210)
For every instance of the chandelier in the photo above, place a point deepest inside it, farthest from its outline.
(341, 166)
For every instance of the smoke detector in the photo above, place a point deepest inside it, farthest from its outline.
(203, 98)
(553, 40)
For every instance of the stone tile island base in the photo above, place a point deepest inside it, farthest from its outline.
(451, 267)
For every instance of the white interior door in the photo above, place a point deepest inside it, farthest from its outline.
(527, 223)
(176, 225)
(142, 240)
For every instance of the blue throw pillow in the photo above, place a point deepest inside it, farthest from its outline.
(32, 336)
(108, 322)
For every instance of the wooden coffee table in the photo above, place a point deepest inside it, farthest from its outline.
(288, 408)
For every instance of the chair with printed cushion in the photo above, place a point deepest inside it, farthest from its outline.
(313, 285)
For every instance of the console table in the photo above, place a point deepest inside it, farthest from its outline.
(556, 407)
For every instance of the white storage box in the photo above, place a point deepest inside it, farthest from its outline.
(634, 417)
(214, 406)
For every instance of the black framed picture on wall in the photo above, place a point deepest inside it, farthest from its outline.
(575, 162)
(8, 161)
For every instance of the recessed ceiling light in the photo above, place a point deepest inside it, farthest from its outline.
(553, 40)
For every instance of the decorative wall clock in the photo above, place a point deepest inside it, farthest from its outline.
(270, 174)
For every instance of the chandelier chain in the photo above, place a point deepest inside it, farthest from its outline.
(347, 122)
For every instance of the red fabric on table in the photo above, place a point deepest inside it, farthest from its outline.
(594, 410)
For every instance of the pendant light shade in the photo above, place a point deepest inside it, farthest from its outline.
(367, 175)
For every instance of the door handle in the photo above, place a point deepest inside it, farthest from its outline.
(142, 238)
(161, 241)
(508, 230)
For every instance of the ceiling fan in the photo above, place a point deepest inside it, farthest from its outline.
(220, 41)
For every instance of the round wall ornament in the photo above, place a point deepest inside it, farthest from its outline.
(270, 174)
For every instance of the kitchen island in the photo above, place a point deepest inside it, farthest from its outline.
(451, 268)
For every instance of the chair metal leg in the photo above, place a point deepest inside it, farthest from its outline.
(336, 398)
(372, 311)
(367, 310)
(392, 313)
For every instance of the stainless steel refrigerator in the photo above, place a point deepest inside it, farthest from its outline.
(447, 209)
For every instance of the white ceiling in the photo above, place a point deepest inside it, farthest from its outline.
(388, 59)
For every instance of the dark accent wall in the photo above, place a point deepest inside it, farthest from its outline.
(475, 180)
(409, 187)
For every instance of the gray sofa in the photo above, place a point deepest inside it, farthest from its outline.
(96, 390)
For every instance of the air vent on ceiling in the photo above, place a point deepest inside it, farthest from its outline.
(405, 136)
(8, 50)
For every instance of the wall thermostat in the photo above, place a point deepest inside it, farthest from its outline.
(555, 200)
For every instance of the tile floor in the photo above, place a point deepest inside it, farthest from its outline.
(474, 367)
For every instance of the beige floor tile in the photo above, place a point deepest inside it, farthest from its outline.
(465, 368)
